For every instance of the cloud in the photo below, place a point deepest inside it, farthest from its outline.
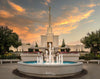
(2, 24)
(16, 7)
(91, 5)
(25, 35)
(73, 19)
(98, 4)
(46, 2)
(41, 29)
(5, 14)
(75, 10)
(90, 21)
(63, 25)
(37, 14)
(64, 30)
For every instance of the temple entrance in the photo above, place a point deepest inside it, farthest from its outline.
(48, 44)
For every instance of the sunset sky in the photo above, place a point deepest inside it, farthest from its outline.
(71, 19)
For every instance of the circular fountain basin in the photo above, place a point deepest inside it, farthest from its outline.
(32, 68)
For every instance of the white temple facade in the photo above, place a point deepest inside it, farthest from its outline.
(49, 37)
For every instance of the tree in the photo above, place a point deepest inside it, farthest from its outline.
(8, 38)
(36, 45)
(92, 41)
(30, 50)
(63, 45)
(67, 49)
(17, 44)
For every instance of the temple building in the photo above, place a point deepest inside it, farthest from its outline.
(49, 37)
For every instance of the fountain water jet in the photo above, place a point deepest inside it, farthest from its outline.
(49, 58)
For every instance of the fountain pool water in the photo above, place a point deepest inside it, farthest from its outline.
(64, 62)
(50, 65)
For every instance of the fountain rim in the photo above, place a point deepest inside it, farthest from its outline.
(51, 64)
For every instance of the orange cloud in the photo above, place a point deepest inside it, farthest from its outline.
(91, 5)
(64, 30)
(46, 2)
(37, 14)
(75, 10)
(41, 29)
(25, 35)
(56, 29)
(16, 7)
(18, 30)
(71, 22)
(63, 25)
(90, 21)
(2, 24)
(41, 14)
(5, 14)
(74, 19)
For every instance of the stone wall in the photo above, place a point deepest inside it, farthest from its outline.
(33, 57)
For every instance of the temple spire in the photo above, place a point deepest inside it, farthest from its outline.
(49, 16)
(49, 29)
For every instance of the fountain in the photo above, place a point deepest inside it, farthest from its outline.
(49, 59)
(50, 65)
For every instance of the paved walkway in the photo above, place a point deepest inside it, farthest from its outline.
(7, 69)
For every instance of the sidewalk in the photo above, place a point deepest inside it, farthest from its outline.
(7, 69)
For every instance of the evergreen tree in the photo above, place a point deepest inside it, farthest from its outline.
(63, 45)
(36, 45)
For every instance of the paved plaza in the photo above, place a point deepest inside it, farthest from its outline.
(6, 72)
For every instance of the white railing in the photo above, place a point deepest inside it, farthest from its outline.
(8, 60)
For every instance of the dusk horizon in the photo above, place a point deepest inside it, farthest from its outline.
(70, 19)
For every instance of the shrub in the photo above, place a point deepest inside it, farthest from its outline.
(9, 56)
(90, 56)
(82, 57)
(30, 50)
(67, 49)
(10, 50)
(98, 57)
(87, 57)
